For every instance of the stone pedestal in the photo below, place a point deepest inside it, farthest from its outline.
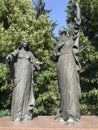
(48, 123)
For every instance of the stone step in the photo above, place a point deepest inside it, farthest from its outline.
(48, 123)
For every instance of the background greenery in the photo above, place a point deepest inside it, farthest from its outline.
(19, 19)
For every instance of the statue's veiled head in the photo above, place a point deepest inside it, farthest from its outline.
(62, 31)
(25, 43)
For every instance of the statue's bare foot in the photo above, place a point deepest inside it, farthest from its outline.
(26, 118)
(60, 119)
(77, 120)
(17, 119)
(70, 121)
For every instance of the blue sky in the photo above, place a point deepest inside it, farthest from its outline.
(58, 12)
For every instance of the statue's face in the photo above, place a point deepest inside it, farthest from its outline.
(62, 31)
(63, 35)
(25, 44)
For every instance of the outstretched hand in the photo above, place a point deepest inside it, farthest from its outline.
(40, 63)
(9, 58)
(77, 4)
(78, 13)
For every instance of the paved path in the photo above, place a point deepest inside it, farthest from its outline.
(48, 123)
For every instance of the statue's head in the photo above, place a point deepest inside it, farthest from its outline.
(25, 43)
(62, 30)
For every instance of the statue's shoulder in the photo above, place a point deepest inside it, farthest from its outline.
(30, 54)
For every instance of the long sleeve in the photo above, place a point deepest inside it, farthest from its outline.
(35, 63)
(77, 20)
(76, 33)
(15, 52)
(76, 29)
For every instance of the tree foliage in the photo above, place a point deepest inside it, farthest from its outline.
(39, 7)
(17, 21)
(88, 52)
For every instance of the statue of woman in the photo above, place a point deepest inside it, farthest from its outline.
(22, 63)
(68, 66)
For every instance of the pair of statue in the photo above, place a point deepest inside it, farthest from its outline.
(22, 63)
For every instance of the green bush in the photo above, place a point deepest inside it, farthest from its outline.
(5, 112)
(89, 102)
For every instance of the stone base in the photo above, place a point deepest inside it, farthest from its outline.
(48, 123)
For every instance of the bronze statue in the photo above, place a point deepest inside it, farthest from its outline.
(22, 63)
(68, 66)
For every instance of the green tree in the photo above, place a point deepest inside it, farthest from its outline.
(17, 21)
(39, 7)
(88, 52)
